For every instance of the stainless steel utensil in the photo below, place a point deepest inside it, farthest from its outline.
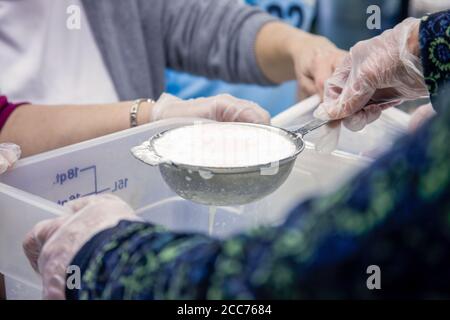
(227, 186)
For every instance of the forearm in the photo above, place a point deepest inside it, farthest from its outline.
(274, 45)
(215, 39)
(41, 128)
(285, 53)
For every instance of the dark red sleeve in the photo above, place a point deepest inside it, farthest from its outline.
(6, 109)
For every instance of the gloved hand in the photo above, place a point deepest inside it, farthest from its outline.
(223, 107)
(52, 244)
(9, 154)
(420, 116)
(377, 74)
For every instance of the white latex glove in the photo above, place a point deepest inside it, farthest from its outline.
(223, 107)
(377, 74)
(52, 244)
(328, 140)
(420, 116)
(9, 154)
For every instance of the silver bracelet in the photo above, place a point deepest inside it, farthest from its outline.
(134, 111)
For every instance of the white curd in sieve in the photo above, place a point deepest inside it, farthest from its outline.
(223, 145)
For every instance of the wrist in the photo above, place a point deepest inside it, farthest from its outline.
(139, 112)
(298, 42)
(144, 115)
(274, 51)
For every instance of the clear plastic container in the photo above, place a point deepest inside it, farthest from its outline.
(39, 186)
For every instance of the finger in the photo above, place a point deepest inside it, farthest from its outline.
(79, 204)
(323, 72)
(10, 151)
(372, 113)
(38, 236)
(54, 280)
(4, 164)
(252, 116)
(55, 291)
(231, 109)
(359, 120)
(9, 154)
(384, 95)
(335, 84)
(332, 93)
(355, 96)
(357, 90)
(355, 122)
(207, 108)
(307, 88)
(386, 105)
(420, 116)
(333, 90)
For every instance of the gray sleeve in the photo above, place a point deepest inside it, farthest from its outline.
(213, 38)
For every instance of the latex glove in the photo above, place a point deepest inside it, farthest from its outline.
(9, 154)
(52, 244)
(420, 116)
(377, 74)
(223, 107)
(328, 139)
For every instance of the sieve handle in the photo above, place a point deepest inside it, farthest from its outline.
(310, 126)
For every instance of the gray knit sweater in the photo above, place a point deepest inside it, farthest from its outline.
(138, 39)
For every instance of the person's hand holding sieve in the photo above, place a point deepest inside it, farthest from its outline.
(376, 74)
(224, 107)
(52, 244)
(9, 154)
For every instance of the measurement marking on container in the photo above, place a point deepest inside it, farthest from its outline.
(74, 173)
(68, 175)
(94, 168)
(120, 184)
